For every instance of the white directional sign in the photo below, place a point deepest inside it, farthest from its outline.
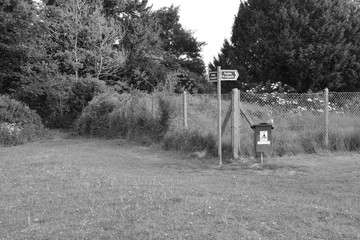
(229, 75)
(226, 75)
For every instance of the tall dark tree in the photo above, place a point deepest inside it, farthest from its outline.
(182, 49)
(308, 45)
(18, 25)
(178, 42)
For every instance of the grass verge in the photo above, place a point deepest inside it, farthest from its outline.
(109, 189)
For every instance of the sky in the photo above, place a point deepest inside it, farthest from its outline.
(211, 21)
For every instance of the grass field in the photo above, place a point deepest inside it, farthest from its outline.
(77, 188)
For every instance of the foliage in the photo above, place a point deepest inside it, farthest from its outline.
(16, 112)
(127, 115)
(182, 51)
(59, 99)
(18, 123)
(52, 48)
(144, 118)
(82, 40)
(158, 47)
(18, 26)
(57, 55)
(308, 45)
(298, 121)
(94, 120)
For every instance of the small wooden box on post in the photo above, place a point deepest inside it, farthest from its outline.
(262, 138)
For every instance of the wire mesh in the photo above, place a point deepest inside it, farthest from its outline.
(299, 120)
(344, 124)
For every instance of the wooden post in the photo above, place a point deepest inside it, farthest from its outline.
(235, 123)
(152, 106)
(185, 109)
(239, 123)
(326, 111)
(219, 120)
(226, 120)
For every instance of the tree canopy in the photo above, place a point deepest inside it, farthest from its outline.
(55, 55)
(18, 22)
(308, 45)
(123, 43)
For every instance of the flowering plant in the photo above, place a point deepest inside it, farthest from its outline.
(11, 128)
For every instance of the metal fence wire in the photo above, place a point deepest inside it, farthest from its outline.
(301, 121)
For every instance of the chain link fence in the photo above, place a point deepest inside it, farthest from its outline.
(298, 121)
(344, 121)
(301, 122)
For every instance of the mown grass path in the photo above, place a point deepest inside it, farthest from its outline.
(76, 188)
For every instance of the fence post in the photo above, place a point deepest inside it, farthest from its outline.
(185, 109)
(235, 123)
(326, 111)
(152, 106)
(239, 143)
(219, 119)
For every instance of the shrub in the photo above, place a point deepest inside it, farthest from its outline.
(18, 123)
(79, 94)
(95, 118)
(59, 99)
(82, 92)
(125, 115)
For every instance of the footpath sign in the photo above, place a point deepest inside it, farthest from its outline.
(218, 76)
(226, 75)
(213, 77)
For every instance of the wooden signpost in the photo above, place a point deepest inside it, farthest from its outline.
(218, 76)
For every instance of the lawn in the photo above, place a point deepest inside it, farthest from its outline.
(79, 188)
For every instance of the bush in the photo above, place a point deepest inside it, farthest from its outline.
(79, 94)
(125, 115)
(82, 92)
(60, 99)
(18, 123)
(95, 118)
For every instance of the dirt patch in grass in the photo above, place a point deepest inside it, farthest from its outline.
(76, 188)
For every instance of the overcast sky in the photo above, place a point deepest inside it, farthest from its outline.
(210, 20)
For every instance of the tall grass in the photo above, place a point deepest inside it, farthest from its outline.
(158, 118)
(302, 132)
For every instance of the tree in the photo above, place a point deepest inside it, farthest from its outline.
(308, 45)
(18, 26)
(160, 49)
(182, 49)
(226, 59)
(143, 69)
(81, 39)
